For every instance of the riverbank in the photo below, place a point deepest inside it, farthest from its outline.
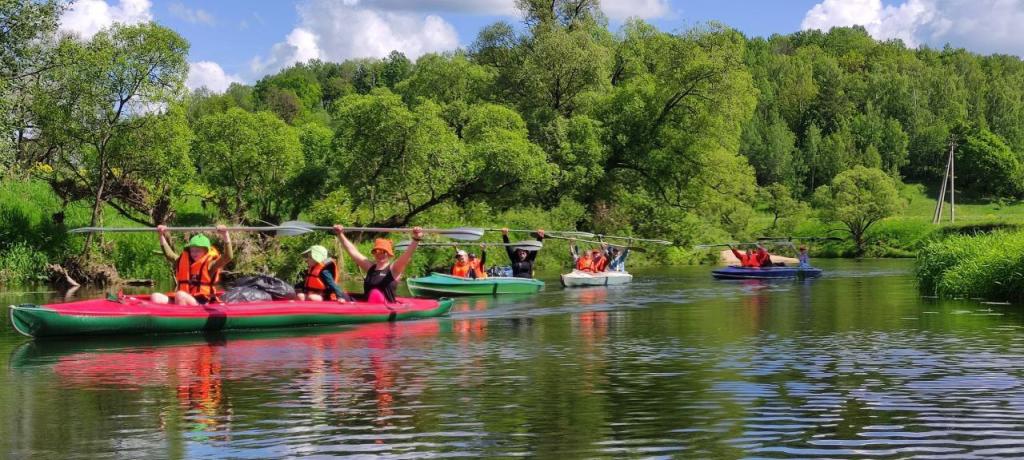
(989, 267)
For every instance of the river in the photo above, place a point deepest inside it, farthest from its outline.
(853, 365)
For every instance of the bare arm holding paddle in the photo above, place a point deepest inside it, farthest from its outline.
(229, 250)
(353, 252)
(403, 260)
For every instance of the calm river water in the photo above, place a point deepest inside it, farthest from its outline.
(852, 365)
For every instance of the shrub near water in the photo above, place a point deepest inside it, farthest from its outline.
(986, 266)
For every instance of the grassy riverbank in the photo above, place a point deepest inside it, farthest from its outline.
(988, 267)
(911, 230)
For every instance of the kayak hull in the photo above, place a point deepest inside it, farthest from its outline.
(138, 315)
(585, 279)
(441, 285)
(743, 273)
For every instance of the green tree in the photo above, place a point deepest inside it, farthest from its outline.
(248, 160)
(785, 210)
(986, 165)
(399, 162)
(99, 98)
(25, 27)
(858, 198)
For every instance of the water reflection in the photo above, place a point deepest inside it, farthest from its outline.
(675, 365)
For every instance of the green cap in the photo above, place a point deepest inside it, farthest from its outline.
(199, 241)
(317, 253)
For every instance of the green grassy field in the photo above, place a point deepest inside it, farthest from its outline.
(911, 229)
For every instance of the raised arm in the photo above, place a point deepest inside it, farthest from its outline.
(508, 249)
(229, 250)
(165, 244)
(403, 260)
(351, 249)
(532, 255)
(483, 255)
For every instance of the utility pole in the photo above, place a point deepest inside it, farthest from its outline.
(948, 177)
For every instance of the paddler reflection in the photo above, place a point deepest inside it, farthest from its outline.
(323, 375)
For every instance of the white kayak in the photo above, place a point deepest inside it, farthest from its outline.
(582, 279)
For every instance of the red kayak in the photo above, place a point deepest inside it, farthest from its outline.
(138, 315)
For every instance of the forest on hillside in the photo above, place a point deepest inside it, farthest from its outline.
(683, 135)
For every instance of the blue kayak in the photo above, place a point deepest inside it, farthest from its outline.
(743, 273)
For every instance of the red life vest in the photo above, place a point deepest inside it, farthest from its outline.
(584, 263)
(600, 264)
(315, 285)
(461, 269)
(194, 277)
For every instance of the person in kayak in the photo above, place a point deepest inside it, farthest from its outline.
(321, 278)
(521, 259)
(803, 257)
(461, 267)
(747, 260)
(762, 257)
(382, 274)
(598, 261)
(196, 269)
(581, 262)
(477, 265)
(617, 258)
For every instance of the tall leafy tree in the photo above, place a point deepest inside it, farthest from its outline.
(99, 101)
(248, 160)
(858, 198)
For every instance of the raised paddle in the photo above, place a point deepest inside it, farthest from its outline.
(567, 233)
(170, 229)
(298, 227)
(631, 248)
(642, 240)
(524, 245)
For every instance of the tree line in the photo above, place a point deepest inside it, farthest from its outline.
(682, 135)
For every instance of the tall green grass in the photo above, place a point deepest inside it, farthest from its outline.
(989, 266)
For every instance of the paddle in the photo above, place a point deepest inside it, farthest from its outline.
(631, 248)
(298, 227)
(644, 240)
(524, 245)
(170, 229)
(567, 233)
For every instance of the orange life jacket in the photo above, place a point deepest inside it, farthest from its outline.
(194, 276)
(584, 263)
(461, 269)
(599, 264)
(477, 267)
(315, 285)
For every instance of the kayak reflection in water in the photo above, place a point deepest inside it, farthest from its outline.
(382, 274)
(522, 260)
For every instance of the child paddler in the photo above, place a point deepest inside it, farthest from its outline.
(382, 274)
(196, 269)
(321, 279)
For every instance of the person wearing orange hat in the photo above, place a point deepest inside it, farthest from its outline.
(382, 274)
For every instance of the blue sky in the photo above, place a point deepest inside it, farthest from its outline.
(236, 40)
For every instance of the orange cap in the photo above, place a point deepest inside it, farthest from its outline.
(385, 245)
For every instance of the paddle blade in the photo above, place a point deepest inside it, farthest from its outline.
(294, 228)
(528, 246)
(463, 234)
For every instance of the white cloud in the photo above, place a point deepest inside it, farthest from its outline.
(193, 16)
(488, 7)
(86, 17)
(210, 75)
(643, 9)
(987, 26)
(338, 31)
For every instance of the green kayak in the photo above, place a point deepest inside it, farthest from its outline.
(441, 285)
